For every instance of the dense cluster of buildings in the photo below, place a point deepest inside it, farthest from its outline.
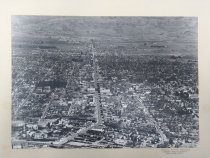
(143, 101)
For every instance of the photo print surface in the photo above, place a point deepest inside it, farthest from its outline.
(104, 82)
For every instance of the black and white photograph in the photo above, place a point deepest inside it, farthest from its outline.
(104, 82)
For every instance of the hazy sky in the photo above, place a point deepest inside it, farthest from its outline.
(176, 32)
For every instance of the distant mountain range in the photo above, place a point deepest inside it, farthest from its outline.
(174, 34)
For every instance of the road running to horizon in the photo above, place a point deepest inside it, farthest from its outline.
(98, 116)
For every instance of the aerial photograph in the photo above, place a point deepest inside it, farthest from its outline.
(104, 82)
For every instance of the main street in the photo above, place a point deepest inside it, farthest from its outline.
(98, 116)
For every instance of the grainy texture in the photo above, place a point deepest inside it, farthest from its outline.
(104, 82)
